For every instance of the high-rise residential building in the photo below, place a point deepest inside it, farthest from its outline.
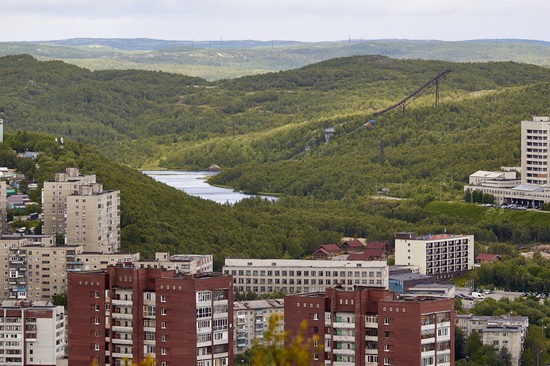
(443, 256)
(32, 333)
(535, 136)
(93, 218)
(373, 327)
(295, 275)
(128, 313)
(54, 194)
(251, 319)
(36, 269)
(497, 331)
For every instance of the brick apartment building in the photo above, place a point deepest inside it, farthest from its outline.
(372, 326)
(129, 313)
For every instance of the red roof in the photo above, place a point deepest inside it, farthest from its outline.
(377, 245)
(354, 243)
(332, 248)
(487, 257)
(368, 254)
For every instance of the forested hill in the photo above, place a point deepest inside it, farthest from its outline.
(257, 128)
(219, 59)
(138, 117)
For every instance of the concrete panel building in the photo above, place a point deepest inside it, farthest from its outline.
(442, 256)
(371, 326)
(54, 194)
(93, 218)
(295, 276)
(251, 319)
(32, 333)
(181, 263)
(3, 207)
(129, 313)
(497, 331)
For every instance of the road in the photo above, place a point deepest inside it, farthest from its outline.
(496, 294)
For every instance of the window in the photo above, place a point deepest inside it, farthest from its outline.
(162, 298)
(315, 356)
(386, 321)
(163, 325)
(163, 351)
(163, 338)
(96, 347)
(96, 320)
(387, 347)
(163, 311)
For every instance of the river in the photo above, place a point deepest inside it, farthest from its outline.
(194, 184)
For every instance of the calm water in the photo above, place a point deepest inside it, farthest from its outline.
(194, 184)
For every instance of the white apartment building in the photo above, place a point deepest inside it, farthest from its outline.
(181, 263)
(93, 218)
(442, 256)
(31, 333)
(497, 331)
(296, 275)
(54, 194)
(534, 187)
(251, 319)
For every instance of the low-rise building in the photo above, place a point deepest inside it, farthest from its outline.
(497, 331)
(251, 319)
(182, 263)
(296, 275)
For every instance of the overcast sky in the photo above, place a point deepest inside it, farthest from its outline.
(300, 20)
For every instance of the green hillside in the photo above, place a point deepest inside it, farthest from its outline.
(257, 129)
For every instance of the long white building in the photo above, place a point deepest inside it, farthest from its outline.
(296, 276)
(442, 256)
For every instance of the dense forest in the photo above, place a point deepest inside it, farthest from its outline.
(257, 128)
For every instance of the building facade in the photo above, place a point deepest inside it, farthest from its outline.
(129, 313)
(497, 331)
(93, 218)
(31, 333)
(54, 194)
(3, 207)
(251, 320)
(295, 276)
(443, 256)
(371, 326)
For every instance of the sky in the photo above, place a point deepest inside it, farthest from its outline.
(298, 20)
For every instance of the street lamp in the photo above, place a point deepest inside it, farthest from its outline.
(538, 357)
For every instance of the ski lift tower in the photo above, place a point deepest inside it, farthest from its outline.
(329, 131)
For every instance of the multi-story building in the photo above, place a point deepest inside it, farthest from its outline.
(534, 189)
(54, 194)
(497, 331)
(372, 326)
(184, 263)
(251, 320)
(37, 268)
(31, 333)
(442, 256)
(295, 276)
(93, 218)
(3, 207)
(129, 313)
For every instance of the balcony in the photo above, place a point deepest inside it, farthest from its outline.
(122, 302)
(344, 325)
(121, 341)
(120, 328)
(343, 351)
(343, 338)
(125, 316)
(121, 355)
